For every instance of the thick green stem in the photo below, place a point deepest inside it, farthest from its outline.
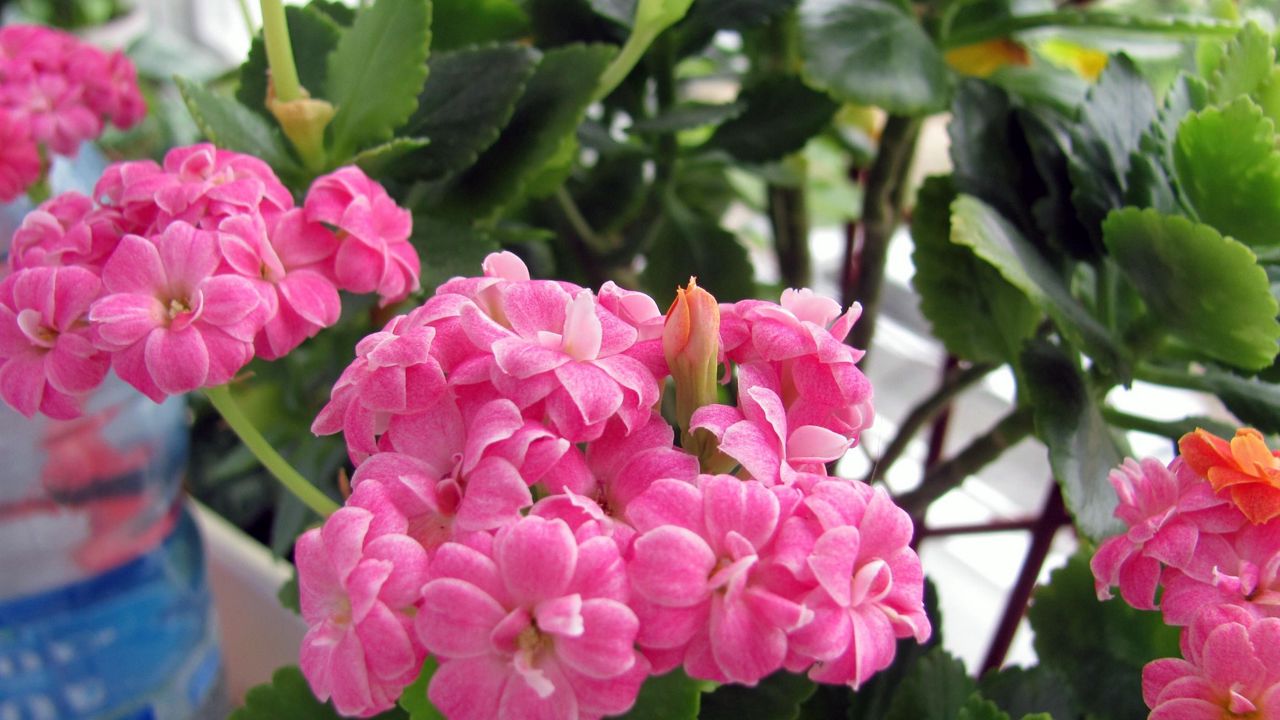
(275, 31)
(1172, 429)
(881, 214)
(946, 476)
(244, 428)
(925, 412)
(1090, 20)
(625, 61)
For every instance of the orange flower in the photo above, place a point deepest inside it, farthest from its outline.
(1245, 469)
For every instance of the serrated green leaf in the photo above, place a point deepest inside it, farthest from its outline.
(1228, 167)
(376, 73)
(413, 699)
(1208, 288)
(1082, 451)
(313, 34)
(873, 52)
(781, 114)
(936, 689)
(336, 10)
(777, 697)
(686, 116)
(1118, 111)
(972, 309)
(1099, 648)
(1268, 95)
(457, 24)
(977, 708)
(674, 696)
(228, 124)
(975, 224)
(1023, 692)
(287, 697)
(553, 103)
(1152, 180)
(1254, 401)
(1246, 63)
(686, 243)
(378, 160)
(448, 249)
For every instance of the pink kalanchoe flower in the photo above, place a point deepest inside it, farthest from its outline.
(65, 230)
(203, 185)
(52, 105)
(1239, 568)
(700, 568)
(536, 626)
(47, 357)
(358, 593)
(291, 270)
(1231, 670)
(19, 156)
(562, 355)
(110, 83)
(375, 254)
(128, 190)
(854, 543)
(172, 324)
(406, 496)
(1166, 511)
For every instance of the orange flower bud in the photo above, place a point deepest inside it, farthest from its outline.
(691, 343)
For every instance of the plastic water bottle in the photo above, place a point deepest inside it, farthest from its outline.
(105, 610)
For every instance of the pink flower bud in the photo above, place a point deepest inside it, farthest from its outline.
(691, 343)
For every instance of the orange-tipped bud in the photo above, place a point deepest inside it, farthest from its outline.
(691, 343)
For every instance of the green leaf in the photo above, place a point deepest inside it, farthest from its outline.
(777, 697)
(657, 15)
(972, 309)
(1228, 167)
(1082, 451)
(335, 10)
(873, 698)
(448, 249)
(376, 73)
(551, 107)
(975, 224)
(936, 689)
(456, 24)
(1024, 691)
(622, 12)
(287, 697)
(288, 594)
(1098, 648)
(737, 14)
(1245, 65)
(313, 35)
(673, 696)
(686, 243)
(873, 52)
(782, 114)
(469, 96)
(377, 160)
(1207, 287)
(1119, 110)
(976, 708)
(1254, 401)
(228, 124)
(687, 116)
(413, 699)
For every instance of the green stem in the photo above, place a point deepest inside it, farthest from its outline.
(625, 61)
(1092, 20)
(1171, 378)
(578, 222)
(275, 31)
(248, 18)
(1172, 429)
(244, 428)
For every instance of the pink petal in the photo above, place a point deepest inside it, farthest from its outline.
(607, 646)
(456, 618)
(671, 566)
(469, 689)
(536, 558)
(177, 361)
(494, 496)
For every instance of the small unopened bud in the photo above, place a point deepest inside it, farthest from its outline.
(303, 121)
(691, 343)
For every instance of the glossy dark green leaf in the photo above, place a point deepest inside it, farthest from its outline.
(1082, 450)
(1228, 167)
(686, 116)
(468, 98)
(777, 697)
(1023, 691)
(873, 52)
(458, 24)
(737, 14)
(376, 73)
(413, 699)
(977, 225)
(449, 249)
(978, 708)
(313, 35)
(781, 114)
(687, 243)
(1098, 648)
(336, 10)
(1208, 288)
(228, 124)
(972, 309)
(936, 689)
(287, 697)
(378, 160)
(1254, 401)
(674, 696)
(554, 102)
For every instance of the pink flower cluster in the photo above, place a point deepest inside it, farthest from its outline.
(520, 510)
(56, 92)
(1217, 576)
(177, 275)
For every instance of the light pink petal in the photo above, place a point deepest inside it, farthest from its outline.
(607, 647)
(534, 306)
(582, 332)
(469, 689)
(124, 319)
(456, 618)
(671, 566)
(536, 559)
(521, 358)
(745, 507)
(494, 496)
(668, 502)
(135, 267)
(745, 649)
(594, 394)
(811, 443)
(177, 361)
(312, 296)
(754, 446)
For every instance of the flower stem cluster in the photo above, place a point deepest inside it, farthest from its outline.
(1204, 536)
(555, 546)
(56, 92)
(177, 275)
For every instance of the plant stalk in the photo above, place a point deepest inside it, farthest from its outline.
(275, 33)
(244, 428)
(1092, 20)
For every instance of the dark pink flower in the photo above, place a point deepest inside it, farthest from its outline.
(19, 156)
(65, 230)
